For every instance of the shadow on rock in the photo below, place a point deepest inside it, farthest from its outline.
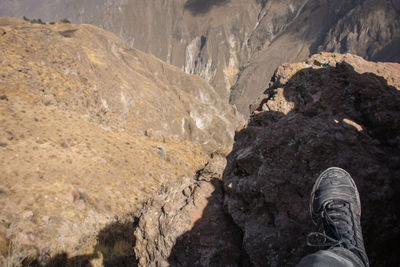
(311, 119)
(184, 224)
(114, 245)
(213, 240)
(198, 7)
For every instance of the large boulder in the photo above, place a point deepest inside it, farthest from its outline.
(333, 110)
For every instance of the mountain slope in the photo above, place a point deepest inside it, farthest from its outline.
(89, 129)
(225, 41)
(85, 69)
(370, 29)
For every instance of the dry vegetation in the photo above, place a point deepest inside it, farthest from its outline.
(72, 169)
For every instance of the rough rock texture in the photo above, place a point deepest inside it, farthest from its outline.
(184, 224)
(333, 110)
(234, 44)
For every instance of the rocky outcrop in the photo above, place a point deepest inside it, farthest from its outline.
(333, 110)
(184, 224)
(235, 45)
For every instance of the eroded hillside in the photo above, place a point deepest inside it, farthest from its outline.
(91, 71)
(89, 129)
(235, 45)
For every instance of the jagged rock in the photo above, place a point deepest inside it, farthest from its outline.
(333, 110)
(184, 224)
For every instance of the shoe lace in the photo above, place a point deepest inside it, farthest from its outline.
(338, 222)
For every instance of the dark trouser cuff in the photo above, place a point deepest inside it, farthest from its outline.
(333, 257)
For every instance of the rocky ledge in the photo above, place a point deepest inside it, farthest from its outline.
(332, 110)
(184, 223)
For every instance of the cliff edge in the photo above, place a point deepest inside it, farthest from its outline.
(331, 110)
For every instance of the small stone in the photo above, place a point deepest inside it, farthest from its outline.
(64, 145)
(46, 219)
(27, 215)
(186, 192)
(162, 152)
(49, 100)
(70, 197)
(357, 126)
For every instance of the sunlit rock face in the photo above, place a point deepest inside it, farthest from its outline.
(235, 45)
(184, 223)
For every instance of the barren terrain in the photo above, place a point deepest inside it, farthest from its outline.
(89, 129)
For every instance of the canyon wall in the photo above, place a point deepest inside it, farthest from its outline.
(235, 45)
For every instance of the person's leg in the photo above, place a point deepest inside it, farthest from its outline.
(335, 207)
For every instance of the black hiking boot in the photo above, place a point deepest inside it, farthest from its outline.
(335, 205)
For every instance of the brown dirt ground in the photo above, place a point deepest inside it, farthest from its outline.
(67, 172)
